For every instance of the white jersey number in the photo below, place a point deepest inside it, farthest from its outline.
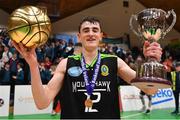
(90, 109)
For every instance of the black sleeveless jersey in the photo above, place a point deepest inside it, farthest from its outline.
(104, 97)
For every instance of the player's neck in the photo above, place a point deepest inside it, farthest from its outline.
(89, 55)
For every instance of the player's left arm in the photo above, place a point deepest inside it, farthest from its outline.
(127, 74)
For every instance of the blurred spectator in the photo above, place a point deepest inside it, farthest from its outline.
(129, 59)
(49, 51)
(175, 78)
(60, 46)
(1, 50)
(77, 48)
(48, 73)
(168, 63)
(106, 49)
(139, 60)
(13, 64)
(69, 50)
(58, 49)
(47, 63)
(42, 72)
(19, 78)
(45, 73)
(12, 48)
(136, 51)
(5, 75)
(120, 53)
(6, 55)
(40, 54)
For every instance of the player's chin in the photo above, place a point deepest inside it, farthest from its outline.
(92, 44)
(92, 47)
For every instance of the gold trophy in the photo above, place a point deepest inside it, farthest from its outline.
(151, 25)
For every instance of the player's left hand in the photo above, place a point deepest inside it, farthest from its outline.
(152, 50)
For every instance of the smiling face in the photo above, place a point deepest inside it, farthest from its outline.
(90, 34)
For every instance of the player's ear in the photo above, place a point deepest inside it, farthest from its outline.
(79, 37)
(101, 35)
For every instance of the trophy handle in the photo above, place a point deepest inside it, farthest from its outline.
(173, 22)
(131, 25)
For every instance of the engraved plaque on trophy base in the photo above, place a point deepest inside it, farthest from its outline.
(151, 74)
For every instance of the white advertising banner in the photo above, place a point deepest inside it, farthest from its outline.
(131, 102)
(24, 102)
(130, 98)
(4, 100)
(164, 98)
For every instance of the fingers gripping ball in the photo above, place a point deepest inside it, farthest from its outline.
(29, 25)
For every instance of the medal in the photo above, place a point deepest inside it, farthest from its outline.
(88, 103)
(90, 84)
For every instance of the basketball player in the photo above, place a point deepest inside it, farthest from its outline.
(87, 82)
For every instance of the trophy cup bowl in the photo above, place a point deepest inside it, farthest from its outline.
(151, 26)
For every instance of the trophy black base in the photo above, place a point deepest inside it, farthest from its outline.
(151, 82)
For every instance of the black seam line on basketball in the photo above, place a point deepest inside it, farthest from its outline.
(38, 25)
(34, 35)
(26, 26)
(22, 27)
(28, 31)
(27, 22)
(26, 18)
(26, 34)
(18, 26)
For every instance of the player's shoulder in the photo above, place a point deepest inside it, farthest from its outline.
(62, 65)
(75, 57)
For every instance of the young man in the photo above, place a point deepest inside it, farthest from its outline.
(88, 82)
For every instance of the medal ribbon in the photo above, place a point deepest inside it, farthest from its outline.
(90, 84)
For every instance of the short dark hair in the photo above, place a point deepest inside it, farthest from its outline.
(91, 20)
